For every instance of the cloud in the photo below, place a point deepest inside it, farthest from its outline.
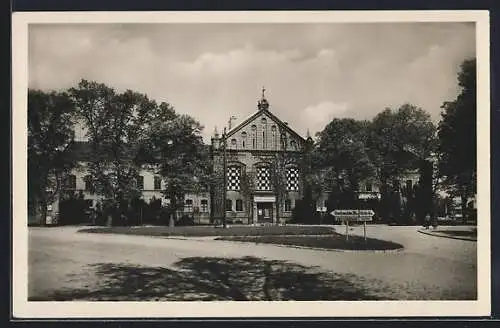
(317, 116)
(312, 72)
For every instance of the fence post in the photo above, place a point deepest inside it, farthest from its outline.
(346, 229)
(364, 228)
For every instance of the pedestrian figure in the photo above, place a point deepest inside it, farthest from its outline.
(427, 221)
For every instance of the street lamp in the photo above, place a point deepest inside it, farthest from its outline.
(224, 173)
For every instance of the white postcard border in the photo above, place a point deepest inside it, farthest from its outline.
(25, 309)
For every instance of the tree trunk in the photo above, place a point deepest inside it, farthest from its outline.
(109, 221)
(463, 198)
(173, 204)
(38, 212)
(44, 211)
(277, 211)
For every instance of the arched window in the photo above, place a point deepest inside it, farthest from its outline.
(254, 136)
(233, 142)
(243, 139)
(263, 121)
(283, 143)
(273, 133)
(292, 178)
(233, 177)
(263, 178)
(293, 145)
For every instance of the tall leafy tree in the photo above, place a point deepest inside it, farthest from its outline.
(457, 136)
(118, 128)
(401, 141)
(341, 154)
(50, 134)
(185, 160)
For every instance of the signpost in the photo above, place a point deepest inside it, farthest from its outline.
(353, 215)
(322, 211)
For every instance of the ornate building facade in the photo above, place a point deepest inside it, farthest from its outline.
(260, 163)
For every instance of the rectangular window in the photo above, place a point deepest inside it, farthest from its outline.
(71, 181)
(140, 182)
(204, 205)
(239, 205)
(233, 177)
(292, 179)
(288, 205)
(369, 187)
(229, 205)
(157, 183)
(88, 182)
(409, 184)
(188, 206)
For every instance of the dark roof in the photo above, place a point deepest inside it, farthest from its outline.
(272, 116)
(81, 151)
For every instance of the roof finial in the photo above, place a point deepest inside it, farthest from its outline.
(263, 104)
(230, 121)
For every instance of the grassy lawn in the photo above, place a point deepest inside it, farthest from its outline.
(205, 231)
(459, 233)
(333, 241)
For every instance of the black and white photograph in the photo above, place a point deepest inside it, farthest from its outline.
(222, 164)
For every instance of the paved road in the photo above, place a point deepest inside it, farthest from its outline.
(67, 265)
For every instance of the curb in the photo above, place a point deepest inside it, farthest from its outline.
(437, 234)
(397, 250)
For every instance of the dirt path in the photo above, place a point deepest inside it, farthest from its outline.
(67, 265)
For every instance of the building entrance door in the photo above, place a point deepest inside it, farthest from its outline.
(264, 212)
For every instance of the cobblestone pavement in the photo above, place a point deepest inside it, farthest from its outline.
(67, 265)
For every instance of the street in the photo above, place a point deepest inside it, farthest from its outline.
(67, 265)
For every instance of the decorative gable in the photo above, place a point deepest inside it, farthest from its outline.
(264, 131)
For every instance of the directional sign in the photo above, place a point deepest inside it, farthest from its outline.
(353, 215)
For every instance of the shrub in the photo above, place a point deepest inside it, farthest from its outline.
(73, 210)
(185, 220)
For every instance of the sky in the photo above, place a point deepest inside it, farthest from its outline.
(312, 73)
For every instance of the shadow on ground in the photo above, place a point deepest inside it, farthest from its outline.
(208, 278)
